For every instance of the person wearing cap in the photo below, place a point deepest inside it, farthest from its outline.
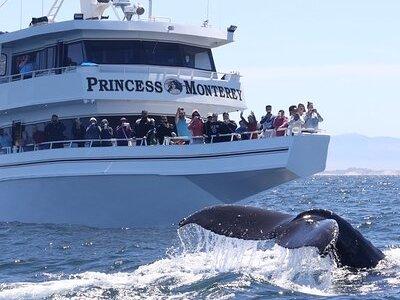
(123, 132)
(143, 127)
(196, 126)
(107, 133)
(267, 121)
(93, 132)
(54, 132)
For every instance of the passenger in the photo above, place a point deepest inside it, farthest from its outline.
(280, 124)
(301, 109)
(196, 126)
(207, 128)
(38, 137)
(295, 123)
(107, 133)
(251, 123)
(241, 130)
(5, 142)
(54, 132)
(181, 123)
(227, 129)
(215, 128)
(312, 118)
(25, 66)
(78, 132)
(151, 134)
(163, 130)
(142, 128)
(93, 132)
(267, 121)
(26, 141)
(124, 132)
(231, 125)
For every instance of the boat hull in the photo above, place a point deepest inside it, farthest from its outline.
(143, 186)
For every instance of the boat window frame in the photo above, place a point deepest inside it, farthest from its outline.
(36, 52)
(181, 53)
(4, 63)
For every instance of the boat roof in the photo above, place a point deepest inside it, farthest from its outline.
(165, 31)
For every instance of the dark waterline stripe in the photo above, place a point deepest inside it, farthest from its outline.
(272, 151)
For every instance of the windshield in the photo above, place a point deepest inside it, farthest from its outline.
(148, 53)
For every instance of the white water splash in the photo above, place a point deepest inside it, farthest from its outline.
(199, 265)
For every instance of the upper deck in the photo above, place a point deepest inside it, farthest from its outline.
(34, 36)
(117, 67)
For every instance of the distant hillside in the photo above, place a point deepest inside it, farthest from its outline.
(362, 172)
(361, 152)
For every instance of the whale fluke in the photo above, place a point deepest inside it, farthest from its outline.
(322, 229)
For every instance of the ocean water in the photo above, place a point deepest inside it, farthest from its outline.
(75, 262)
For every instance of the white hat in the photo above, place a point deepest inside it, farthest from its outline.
(93, 120)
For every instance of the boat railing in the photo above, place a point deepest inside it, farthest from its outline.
(37, 73)
(177, 72)
(133, 142)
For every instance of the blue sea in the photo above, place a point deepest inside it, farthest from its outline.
(75, 262)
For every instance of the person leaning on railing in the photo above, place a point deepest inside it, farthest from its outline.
(251, 123)
(5, 142)
(196, 126)
(78, 132)
(124, 132)
(280, 123)
(106, 134)
(54, 132)
(164, 129)
(312, 118)
(93, 132)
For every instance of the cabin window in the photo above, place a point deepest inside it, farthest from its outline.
(148, 53)
(161, 54)
(24, 63)
(45, 59)
(3, 64)
(39, 60)
(73, 54)
(198, 58)
(113, 52)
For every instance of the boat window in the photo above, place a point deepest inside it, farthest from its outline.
(113, 52)
(24, 63)
(148, 53)
(73, 54)
(3, 64)
(161, 54)
(45, 59)
(198, 58)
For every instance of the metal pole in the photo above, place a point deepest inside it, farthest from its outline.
(150, 9)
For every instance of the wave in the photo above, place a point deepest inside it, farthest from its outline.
(206, 265)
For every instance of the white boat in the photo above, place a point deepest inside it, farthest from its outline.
(101, 68)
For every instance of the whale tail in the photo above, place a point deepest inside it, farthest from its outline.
(321, 229)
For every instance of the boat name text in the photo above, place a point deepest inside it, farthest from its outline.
(171, 85)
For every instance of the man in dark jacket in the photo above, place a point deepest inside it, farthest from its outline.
(54, 132)
(164, 129)
(142, 127)
(107, 133)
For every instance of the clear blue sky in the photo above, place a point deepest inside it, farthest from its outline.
(344, 55)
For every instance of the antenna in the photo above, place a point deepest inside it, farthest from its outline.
(4, 2)
(150, 9)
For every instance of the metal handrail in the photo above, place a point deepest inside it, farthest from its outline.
(165, 70)
(36, 73)
(131, 142)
